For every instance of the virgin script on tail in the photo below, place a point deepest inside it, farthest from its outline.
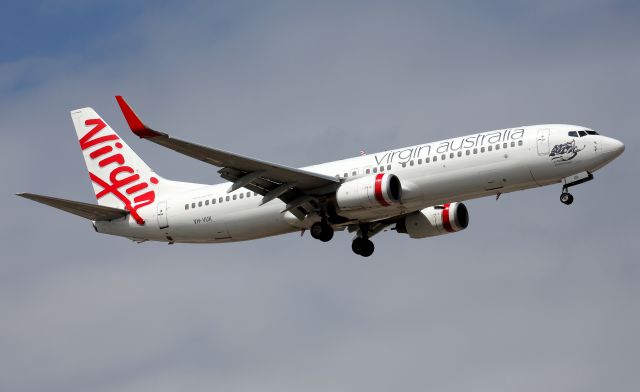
(121, 175)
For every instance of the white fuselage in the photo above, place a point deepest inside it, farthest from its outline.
(451, 170)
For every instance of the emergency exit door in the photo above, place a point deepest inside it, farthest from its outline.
(163, 222)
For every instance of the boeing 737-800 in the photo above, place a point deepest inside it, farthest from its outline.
(415, 190)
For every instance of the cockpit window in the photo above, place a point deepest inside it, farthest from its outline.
(582, 133)
(591, 132)
(573, 134)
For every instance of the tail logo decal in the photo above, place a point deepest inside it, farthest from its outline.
(123, 182)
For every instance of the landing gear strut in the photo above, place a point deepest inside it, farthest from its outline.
(576, 179)
(322, 231)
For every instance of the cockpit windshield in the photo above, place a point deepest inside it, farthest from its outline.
(582, 133)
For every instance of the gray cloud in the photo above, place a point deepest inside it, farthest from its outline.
(534, 295)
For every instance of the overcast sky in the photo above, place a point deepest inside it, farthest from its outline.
(533, 296)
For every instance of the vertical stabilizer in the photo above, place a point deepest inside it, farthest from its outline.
(120, 178)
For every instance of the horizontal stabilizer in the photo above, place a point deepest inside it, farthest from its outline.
(85, 210)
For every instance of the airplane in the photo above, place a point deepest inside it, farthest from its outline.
(418, 190)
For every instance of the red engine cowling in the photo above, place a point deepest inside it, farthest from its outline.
(432, 221)
(379, 190)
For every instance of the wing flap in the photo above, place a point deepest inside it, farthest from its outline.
(86, 210)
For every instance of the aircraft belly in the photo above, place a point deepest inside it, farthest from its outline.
(258, 222)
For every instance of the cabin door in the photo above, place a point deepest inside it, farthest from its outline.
(543, 141)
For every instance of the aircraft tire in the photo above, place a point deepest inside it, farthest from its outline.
(566, 198)
(362, 247)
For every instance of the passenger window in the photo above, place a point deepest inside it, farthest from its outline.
(199, 204)
(242, 195)
(248, 194)
(404, 164)
(193, 205)
(451, 155)
(388, 167)
(573, 134)
(475, 150)
(410, 163)
(513, 144)
(220, 200)
(213, 201)
(519, 142)
(426, 160)
(255, 194)
(443, 157)
(206, 202)
(481, 149)
(490, 148)
(497, 147)
(504, 145)
(381, 169)
(420, 161)
(186, 206)
(435, 159)
(468, 152)
(375, 169)
(459, 153)
(227, 198)
(353, 173)
(582, 133)
(368, 171)
(235, 197)
(346, 175)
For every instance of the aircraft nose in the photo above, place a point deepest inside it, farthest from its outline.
(616, 147)
(613, 148)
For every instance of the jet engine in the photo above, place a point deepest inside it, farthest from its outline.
(432, 221)
(379, 190)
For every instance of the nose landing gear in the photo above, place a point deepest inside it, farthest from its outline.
(566, 197)
(576, 179)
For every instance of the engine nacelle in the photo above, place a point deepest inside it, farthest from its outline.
(432, 221)
(379, 190)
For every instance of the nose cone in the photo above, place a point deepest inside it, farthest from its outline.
(611, 148)
(615, 147)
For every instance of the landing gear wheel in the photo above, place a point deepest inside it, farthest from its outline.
(363, 247)
(321, 231)
(566, 198)
(327, 235)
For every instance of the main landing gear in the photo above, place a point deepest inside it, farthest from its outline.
(322, 231)
(362, 246)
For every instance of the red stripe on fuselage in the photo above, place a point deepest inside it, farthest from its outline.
(446, 222)
(378, 190)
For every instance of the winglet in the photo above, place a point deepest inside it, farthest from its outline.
(136, 125)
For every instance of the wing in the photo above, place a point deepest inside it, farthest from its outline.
(301, 190)
(85, 210)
